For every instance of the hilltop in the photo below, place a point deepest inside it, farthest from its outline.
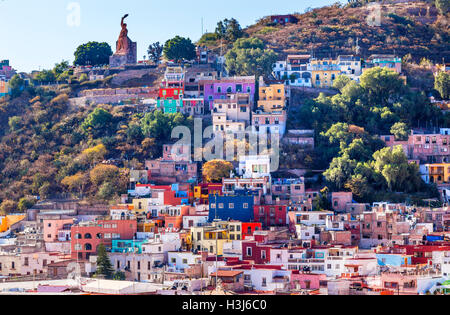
(414, 28)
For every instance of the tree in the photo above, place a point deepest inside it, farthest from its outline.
(155, 51)
(215, 170)
(340, 171)
(360, 188)
(321, 202)
(17, 85)
(93, 54)
(25, 204)
(45, 77)
(75, 182)
(60, 68)
(8, 206)
(249, 57)
(119, 276)
(229, 30)
(393, 165)
(104, 267)
(442, 84)
(95, 154)
(14, 123)
(104, 173)
(340, 82)
(443, 6)
(400, 131)
(179, 48)
(97, 122)
(381, 85)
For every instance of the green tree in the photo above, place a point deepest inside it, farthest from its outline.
(25, 204)
(321, 202)
(98, 122)
(393, 165)
(14, 123)
(400, 131)
(61, 68)
(119, 276)
(229, 29)
(155, 51)
(340, 82)
(45, 77)
(381, 85)
(442, 84)
(104, 267)
(249, 57)
(179, 48)
(340, 171)
(17, 85)
(93, 54)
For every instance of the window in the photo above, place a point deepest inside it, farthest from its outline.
(249, 251)
(245, 205)
(185, 261)
(263, 254)
(231, 205)
(264, 282)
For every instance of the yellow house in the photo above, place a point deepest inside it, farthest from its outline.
(234, 229)
(140, 205)
(209, 238)
(324, 72)
(272, 97)
(437, 173)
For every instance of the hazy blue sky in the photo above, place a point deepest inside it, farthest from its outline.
(35, 34)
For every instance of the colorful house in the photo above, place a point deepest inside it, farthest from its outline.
(324, 72)
(219, 89)
(272, 98)
(231, 207)
(85, 237)
(270, 215)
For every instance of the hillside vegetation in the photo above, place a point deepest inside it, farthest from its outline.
(415, 28)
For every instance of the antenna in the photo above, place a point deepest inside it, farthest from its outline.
(202, 26)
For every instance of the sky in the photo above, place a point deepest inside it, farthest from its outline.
(37, 34)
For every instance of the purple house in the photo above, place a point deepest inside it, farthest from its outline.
(219, 89)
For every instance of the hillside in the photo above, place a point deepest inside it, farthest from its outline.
(414, 28)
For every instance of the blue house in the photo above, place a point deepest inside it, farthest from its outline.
(396, 260)
(231, 208)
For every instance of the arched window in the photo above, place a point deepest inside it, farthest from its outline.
(87, 246)
(78, 247)
(229, 89)
(78, 236)
(99, 236)
(88, 236)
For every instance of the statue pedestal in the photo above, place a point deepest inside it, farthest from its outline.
(130, 58)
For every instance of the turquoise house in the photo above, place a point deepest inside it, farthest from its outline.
(127, 246)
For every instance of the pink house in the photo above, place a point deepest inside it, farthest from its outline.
(306, 281)
(340, 200)
(57, 230)
(427, 147)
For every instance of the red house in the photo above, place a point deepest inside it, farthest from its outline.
(422, 254)
(270, 215)
(249, 228)
(171, 93)
(256, 250)
(85, 238)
